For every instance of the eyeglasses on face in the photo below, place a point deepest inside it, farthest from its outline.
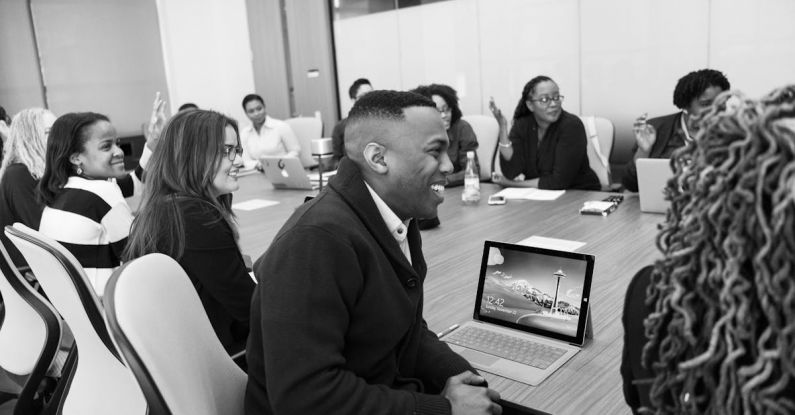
(545, 100)
(231, 152)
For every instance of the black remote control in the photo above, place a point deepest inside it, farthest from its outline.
(617, 199)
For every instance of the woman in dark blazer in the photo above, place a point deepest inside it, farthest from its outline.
(547, 146)
(187, 215)
(709, 328)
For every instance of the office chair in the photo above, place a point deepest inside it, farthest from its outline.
(601, 135)
(487, 130)
(306, 129)
(99, 383)
(164, 334)
(29, 336)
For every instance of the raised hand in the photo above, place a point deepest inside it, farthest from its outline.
(156, 122)
(645, 135)
(497, 113)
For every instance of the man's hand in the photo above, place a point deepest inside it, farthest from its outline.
(156, 122)
(468, 394)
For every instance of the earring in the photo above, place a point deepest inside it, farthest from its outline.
(79, 170)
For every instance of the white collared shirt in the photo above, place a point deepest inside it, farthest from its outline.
(275, 138)
(397, 227)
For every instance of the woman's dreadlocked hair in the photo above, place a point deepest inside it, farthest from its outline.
(722, 336)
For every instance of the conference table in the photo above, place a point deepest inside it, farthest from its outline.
(622, 242)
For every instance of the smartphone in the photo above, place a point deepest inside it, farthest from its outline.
(497, 200)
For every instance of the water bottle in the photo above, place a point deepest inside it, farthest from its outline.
(471, 192)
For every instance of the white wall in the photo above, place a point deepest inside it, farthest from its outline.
(20, 82)
(207, 54)
(613, 58)
(102, 56)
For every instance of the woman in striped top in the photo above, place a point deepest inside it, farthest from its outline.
(84, 207)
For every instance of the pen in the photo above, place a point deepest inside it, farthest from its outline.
(448, 331)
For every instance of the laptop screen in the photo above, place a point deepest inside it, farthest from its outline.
(536, 290)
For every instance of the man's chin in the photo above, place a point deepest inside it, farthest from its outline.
(429, 214)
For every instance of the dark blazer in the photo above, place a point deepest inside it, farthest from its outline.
(637, 379)
(560, 162)
(665, 127)
(18, 204)
(336, 321)
(216, 268)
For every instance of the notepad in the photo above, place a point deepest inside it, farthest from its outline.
(530, 193)
(254, 204)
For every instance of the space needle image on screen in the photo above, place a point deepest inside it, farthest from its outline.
(533, 290)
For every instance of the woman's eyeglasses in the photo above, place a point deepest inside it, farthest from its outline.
(231, 152)
(545, 100)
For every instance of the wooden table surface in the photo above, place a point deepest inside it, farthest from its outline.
(623, 242)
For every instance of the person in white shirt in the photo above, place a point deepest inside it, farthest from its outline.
(266, 136)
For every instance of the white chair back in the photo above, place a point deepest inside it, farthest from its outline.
(100, 384)
(601, 135)
(306, 129)
(29, 335)
(487, 131)
(23, 332)
(165, 336)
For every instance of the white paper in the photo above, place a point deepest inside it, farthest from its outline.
(597, 205)
(530, 193)
(254, 204)
(551, 243)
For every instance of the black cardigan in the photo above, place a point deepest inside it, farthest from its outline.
(216, 268)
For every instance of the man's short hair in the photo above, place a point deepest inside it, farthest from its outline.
(251, 97)
(355, 86)
(377, 106)
(386, 105)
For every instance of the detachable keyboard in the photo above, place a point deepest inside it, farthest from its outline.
(505, 346)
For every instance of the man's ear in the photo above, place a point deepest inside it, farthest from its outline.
(374, 157)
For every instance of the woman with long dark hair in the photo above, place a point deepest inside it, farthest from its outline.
(186, 214)
(709, 328)
(547, 146)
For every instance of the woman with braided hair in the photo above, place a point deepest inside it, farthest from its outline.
(719, 308)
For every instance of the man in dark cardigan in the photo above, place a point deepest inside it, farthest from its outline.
(336, 322)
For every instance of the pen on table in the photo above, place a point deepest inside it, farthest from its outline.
(448, 331)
